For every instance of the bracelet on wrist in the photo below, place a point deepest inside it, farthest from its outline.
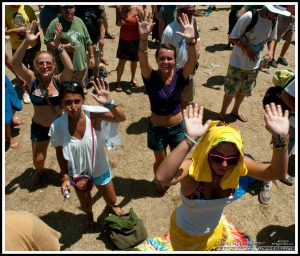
(59, 49)
(110, 105)
(193, 140)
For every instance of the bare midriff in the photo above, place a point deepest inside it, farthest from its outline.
(168, 120)
(45, 116)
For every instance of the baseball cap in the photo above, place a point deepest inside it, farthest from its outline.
(278, 9)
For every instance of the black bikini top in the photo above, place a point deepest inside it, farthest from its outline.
(37, 95)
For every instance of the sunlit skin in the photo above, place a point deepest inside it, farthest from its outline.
(44, 65)
(72, 103)
(68, 14)
(227, 150)
(166, 60)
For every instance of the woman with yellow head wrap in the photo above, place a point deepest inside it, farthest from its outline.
(209, 179)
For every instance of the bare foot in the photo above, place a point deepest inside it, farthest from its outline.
(14, 144)
(239, 117)
(118, 87)
(17, 122)
(134, 83)
(115, 209)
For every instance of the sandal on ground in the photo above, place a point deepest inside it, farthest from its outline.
(119, 88)
(288, 180)
(134, 83)
(239, 117)
(14, 144)
(115, 210)
(109, 36)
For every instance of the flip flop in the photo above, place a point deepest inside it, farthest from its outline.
(134, 83)
(239, 117)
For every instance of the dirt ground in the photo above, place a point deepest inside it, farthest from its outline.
(132, 161)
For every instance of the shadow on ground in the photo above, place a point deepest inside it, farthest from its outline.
(50, 177)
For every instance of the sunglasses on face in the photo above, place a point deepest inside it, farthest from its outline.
(231, 160)
(42, 63)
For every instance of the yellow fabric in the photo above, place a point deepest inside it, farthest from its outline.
(183, 241)
(18, 17)
(282, 77)
(200, 169)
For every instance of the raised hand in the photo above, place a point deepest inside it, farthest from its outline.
(145, 25)
(30, 31)
(193, 117)
(102, 91)
(57, 34)
(277, 123)
(188, 27)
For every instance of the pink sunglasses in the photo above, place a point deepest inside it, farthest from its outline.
(231, 160)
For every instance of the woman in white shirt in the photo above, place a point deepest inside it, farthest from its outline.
(79, 138)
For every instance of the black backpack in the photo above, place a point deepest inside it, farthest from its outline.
(254, 21)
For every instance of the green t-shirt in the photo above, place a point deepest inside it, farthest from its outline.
(73, 32)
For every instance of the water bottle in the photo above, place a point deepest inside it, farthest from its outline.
(67, 193)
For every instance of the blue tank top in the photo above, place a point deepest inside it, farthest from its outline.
(165, 99)
(37, 95)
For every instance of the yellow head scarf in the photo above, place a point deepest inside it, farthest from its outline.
(216, 134)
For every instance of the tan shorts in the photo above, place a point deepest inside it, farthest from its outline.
(285, 29)
(97, 55)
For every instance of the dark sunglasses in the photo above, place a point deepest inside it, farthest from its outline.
(70, 83)
(188, 12)
(48, 63)
(231, 160)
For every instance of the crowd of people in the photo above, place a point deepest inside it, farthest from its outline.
(55, 81)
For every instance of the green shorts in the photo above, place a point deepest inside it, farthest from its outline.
(238, 79)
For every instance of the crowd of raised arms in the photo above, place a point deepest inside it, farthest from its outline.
(56, 81)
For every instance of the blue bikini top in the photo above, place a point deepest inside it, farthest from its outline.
(37, 95)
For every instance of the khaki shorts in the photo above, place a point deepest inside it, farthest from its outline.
(97, 55)
(239, 80)
(189, 91)
(285, 29)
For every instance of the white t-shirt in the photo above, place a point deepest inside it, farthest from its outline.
(170, 36)
(78, 153)
(258, 36)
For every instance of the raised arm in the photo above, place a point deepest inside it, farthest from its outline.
(277, 123)
(189, 35)
(145, 28)
(102, 96)
(19, 67)
(67, 72)
(173, 168)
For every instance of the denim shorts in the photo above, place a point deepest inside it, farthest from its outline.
(160, 137)
(39, 132)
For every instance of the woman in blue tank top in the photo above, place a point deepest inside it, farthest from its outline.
(43, 86)
(164, 87)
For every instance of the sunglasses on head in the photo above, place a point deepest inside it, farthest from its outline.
(70, 83)
(231, 160)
